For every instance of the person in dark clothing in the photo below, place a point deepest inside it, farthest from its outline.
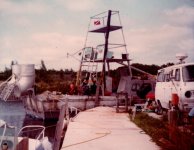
(93, 88)
(85, 87)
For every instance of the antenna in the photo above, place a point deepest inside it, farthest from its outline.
(181, 57)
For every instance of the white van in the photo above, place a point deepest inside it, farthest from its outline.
(177, 79)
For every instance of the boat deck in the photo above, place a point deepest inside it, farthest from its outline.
(101, 128)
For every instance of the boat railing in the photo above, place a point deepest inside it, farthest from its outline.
(3, 134)
(74, 110)
(7, 135)
(33, 128)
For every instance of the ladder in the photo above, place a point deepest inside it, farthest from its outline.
(91, 66)
(7, 91)
(92, 69)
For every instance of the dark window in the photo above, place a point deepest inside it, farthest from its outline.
(167, 77)
(135, 87)
(160, 77)
(188, 73)
(177, 75)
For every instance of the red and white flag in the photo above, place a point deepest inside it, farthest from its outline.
(97, 22)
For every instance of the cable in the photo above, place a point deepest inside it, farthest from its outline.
(92, 139)
(105, 134)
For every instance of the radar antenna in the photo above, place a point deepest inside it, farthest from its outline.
(181, 57)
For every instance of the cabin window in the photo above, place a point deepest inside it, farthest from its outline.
(135, 87)
(160, 77)
(145, 87)
(188, 73)
(177, 75)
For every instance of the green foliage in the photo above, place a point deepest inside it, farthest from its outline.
(43, 66)
(152, 126)
(60, 80)
(167, 65)
(6, 74)
(53, 80)
(152, 69)
(165, 136)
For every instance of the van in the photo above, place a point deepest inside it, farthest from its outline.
(177, 79)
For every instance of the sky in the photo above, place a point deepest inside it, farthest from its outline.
(35, 30)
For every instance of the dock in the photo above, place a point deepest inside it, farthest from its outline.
(101, 128)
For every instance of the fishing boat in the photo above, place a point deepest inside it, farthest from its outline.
(95, 81)
(44, 105)
(11, 140)
(22, 78)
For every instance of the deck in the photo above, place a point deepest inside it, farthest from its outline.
(101, 128)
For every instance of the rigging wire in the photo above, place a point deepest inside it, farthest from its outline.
(122, 34)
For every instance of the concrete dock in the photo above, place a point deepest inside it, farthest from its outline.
(101, 128)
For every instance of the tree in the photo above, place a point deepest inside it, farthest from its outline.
(167, 65)
(61, 74)
(152, 69)
(7, 72)
(43, 66)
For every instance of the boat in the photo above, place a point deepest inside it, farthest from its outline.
(43, 106)
(95, 81)
(11, 140)
(22, 78)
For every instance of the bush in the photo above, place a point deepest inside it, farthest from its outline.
(167, 137)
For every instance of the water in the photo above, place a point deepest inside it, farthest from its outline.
(14, 114)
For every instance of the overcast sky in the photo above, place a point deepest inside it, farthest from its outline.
(35, 30)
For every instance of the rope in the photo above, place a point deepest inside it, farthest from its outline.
(105, 134)
(87, 34)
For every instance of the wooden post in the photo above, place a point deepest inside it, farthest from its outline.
(173, 122)
(173, 117)
(97, 93)
(61, 127)
(126, 102)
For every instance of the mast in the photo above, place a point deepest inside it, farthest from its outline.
(102, 53)
(103, 73)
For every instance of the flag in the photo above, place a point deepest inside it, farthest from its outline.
(97, 22)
